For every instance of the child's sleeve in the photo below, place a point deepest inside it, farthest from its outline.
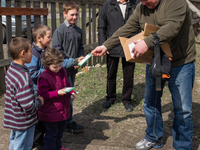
(33, 68)
(44, 90)
(25, 96)
(68, 63)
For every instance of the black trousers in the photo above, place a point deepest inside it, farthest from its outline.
(128, 76)
(39, 134)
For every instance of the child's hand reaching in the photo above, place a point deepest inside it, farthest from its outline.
(42, 100)
(80, 58)
(61, 92)
(73, 96)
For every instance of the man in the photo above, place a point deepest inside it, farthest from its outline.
(174, 19)
(114, 15)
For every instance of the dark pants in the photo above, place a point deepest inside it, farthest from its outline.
(54, 133)
(128, 74)
(39, 133)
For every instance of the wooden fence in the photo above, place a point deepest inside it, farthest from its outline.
(52, 12)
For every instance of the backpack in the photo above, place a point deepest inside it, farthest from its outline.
(160, 67)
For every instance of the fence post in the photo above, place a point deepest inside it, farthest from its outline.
(2, 77)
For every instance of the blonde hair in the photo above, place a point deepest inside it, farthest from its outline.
(39, 30)
(69, 6)
(52, 56)
(18, 44)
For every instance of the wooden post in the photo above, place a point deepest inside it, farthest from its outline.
(83, 17)
(9, 27)
(28, 22)
(18, 20)
(2, 77)
(53, 16)
(94, 28)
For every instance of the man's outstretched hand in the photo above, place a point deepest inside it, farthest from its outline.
(99, 51)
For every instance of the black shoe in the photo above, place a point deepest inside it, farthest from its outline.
(107, 104)
(128, 107)
(74, 127)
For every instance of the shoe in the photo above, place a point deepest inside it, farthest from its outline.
(128, 107)
(145, 145)
(74, 127)
(107, 104)
(64, 148)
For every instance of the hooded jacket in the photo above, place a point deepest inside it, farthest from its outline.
(56, 108)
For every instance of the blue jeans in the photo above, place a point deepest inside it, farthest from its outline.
(54, 133)
(22, 140)
(71, 79)
(180, 85)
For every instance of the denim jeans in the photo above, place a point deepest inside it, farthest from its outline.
(71, 79)
(21, 140)
(180, 85)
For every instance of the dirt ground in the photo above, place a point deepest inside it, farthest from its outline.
(113, 133)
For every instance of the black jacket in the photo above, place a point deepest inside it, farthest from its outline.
(111, 19)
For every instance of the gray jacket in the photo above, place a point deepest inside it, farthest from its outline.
(68, 39)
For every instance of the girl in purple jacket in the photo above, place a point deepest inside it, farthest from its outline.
(56, 109)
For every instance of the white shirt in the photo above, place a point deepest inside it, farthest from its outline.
(122, 7)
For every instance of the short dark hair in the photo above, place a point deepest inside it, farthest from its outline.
(18, 44)
(69, 6)
(39, 30)
(52, 56)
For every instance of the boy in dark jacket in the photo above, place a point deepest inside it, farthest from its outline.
(114, 15)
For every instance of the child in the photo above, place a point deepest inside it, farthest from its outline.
(56, 109)
(68, 39)
(20, 104)
(42, 38)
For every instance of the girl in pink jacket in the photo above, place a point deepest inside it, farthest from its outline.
(56, 109)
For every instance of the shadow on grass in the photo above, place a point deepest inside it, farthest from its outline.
(92, 119)
(167, 132)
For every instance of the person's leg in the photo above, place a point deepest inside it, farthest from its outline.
(128, 76)
(12, 140)
(180, 85)
(112, 68)
(152, 109)
(38, 135)
(71, 79)
(50, 137)
(72, 126)
(22, 140)
(61, 129)
(153, 115)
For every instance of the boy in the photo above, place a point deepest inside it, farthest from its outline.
(21, 107)
(68, 39)
(42, 39)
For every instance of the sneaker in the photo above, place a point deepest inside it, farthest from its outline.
(74, 127)
(128, 107)
(64, 148)
(145, 145)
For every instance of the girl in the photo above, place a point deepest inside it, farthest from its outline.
(56, 109)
